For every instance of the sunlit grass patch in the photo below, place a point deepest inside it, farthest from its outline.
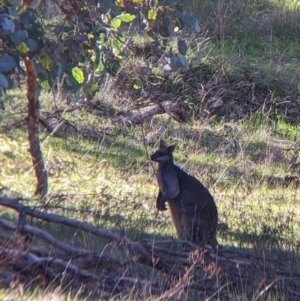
(248, 159)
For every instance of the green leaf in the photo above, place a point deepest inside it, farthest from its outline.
(22, 48)
(163, 31)
(115, 23)
(8, 25)
(36, 31)
(182, 47)
(116, 53)
(117, 43)
(12, 11)
(112, 67)
(31, 44)
(45, 85)
(3, 81)
(184, 62)
(138, 84)
(152, 14)
(7, 63)
(119, 3)
(27, 18)
(45, 61)
(175, 63)
(100, 68)
(126, 17)
(19, 36)
(78, 75)
(93, 89)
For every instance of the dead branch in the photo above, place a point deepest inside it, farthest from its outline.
(37, 261)
(52, 130)
(70, 108)
(58, 126)
(46, 237)
(180, 266)
(171, 108)
(133, 247)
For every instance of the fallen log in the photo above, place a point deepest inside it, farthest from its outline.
(173, 109)
(176, 267)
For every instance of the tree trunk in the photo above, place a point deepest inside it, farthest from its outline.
(33, 129)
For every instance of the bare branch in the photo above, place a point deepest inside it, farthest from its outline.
(171, 108)
(133, 247)
(179, 266)
(47, 237)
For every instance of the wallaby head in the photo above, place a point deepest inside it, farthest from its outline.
(164, 153)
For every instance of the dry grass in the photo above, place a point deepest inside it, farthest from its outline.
(109, 181)
(227, 19)
(102, 174)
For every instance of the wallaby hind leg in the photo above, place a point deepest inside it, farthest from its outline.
(196, 230)
(205, 234)
(202, 233)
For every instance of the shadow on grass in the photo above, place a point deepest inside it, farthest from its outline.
(244, 260)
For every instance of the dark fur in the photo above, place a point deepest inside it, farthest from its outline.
(193, 209)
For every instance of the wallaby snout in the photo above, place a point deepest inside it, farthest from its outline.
(192, 207)
(158, 156)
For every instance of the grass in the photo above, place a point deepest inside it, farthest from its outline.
(244, 158)
(111, 184)
(121, 169)
(255, 41)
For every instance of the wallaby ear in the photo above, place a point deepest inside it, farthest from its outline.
(162, 144)
(171, 148)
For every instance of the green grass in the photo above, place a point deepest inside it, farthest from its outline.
(254, 41)
(113, 179)
(226, 159)
(243, 158)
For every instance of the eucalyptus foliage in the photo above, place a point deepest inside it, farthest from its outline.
(86, 40)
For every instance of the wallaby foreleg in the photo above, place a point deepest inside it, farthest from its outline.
(163, 197)
(158, 202)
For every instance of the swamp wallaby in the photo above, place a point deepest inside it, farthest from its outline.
(193, 209)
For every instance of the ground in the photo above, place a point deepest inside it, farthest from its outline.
(235, 120)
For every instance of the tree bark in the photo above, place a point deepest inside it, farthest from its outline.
(33, 129)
